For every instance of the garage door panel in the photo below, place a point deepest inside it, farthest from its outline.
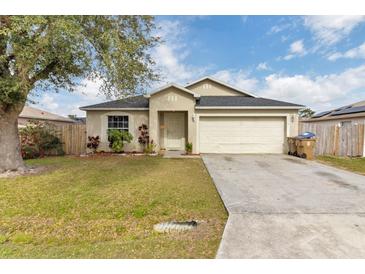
(242, 134)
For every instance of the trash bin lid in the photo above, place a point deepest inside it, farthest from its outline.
(306, 135)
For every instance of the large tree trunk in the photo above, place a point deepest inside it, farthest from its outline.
(10, 155)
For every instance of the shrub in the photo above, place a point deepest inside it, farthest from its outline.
(150, 148)
(93, 142)
(117, 138)
(144, 137)
(189, 148)
(29, 152)
(39, 139)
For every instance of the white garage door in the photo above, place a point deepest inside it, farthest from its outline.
(241, 134)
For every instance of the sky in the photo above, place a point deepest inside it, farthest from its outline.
(317, 61)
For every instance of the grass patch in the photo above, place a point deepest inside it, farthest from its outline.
(352, 164)
(105, 207)
(21, 238)
(3, 239)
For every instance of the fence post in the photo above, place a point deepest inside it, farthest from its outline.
(363, 141)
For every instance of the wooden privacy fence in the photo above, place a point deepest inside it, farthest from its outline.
(337, 138)
(73, 137)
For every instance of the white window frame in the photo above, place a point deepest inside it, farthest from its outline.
(123, 122)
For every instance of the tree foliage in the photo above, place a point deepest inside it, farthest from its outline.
(306, 113)
(40, 52)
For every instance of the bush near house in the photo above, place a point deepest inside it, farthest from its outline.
(39, 139)
(150, 148)
(93, 143)
(117, 139)
(144, 139)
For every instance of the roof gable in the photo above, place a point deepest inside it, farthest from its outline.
(174, 86)
(235, 89)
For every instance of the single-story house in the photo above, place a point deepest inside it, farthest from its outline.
(31, 114)
(338, 131)
(212, 115)
(353, 113)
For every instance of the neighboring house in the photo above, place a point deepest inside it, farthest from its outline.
(214, 116)
(31, 114)
(339, 131)
(353, 113)
(78, 120)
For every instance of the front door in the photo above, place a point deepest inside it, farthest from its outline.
(175, 130)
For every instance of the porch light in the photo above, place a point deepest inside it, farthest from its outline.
(193, 117)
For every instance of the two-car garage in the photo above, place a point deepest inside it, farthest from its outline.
(241, 134)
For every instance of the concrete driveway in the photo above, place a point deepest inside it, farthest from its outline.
(285, 207)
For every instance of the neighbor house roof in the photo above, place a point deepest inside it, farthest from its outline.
(135, 102)
(242, 101)
(349, 111)
(221, 83)
(35, 113)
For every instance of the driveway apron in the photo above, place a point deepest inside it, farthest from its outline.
(285, 207)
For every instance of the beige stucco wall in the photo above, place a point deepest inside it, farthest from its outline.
(210, 88)
(171, 99)
(97, 124)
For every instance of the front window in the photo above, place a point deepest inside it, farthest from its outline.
(118, 122)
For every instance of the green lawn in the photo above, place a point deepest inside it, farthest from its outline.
(105, 207)
(352, 164)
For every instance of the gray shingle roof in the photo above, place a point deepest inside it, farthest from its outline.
(130, 102)
(241, 101)
(204, 101)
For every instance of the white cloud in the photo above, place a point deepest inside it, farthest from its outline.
(170, 56)
(65, 103)
(48, 102)
(278, 28)
(90, 90)
(329, 30)
(319, 92)
(262, 66)
(296, 49)
(240, 79)
(357, 52)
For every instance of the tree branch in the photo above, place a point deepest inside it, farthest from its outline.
(43, 74)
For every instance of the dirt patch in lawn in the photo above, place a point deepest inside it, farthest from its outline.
(28, 171)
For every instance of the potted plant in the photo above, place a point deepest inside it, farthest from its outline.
(189, 148)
